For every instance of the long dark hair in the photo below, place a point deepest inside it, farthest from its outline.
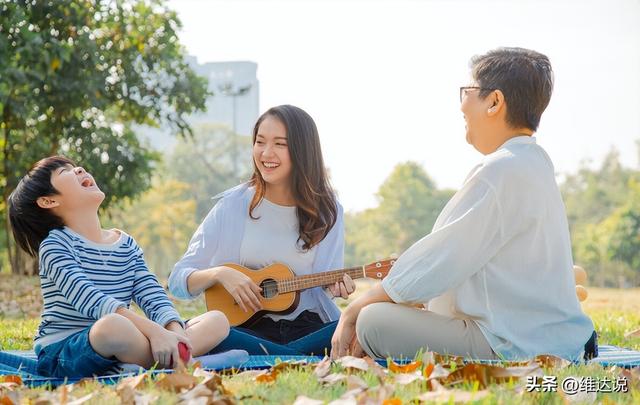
(29, 222)
(313, 194)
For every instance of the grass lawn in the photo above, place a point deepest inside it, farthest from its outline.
(614, 312)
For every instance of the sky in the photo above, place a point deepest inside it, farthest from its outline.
(381, 78)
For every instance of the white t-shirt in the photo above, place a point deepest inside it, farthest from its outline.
(273, 237)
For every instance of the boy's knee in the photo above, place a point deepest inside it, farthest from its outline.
(109, 328)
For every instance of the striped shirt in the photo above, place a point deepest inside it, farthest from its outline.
(82, 281)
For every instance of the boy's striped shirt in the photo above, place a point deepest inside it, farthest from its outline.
(82, 281)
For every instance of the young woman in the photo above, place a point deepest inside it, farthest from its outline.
(89, 276)
(286, 213)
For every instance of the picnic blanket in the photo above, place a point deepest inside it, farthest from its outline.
(23, 363)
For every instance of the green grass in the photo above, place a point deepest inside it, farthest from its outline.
(615, 312)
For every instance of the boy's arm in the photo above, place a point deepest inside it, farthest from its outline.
(149, 295)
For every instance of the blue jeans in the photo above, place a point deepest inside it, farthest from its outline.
(266, 337)
(73, 356)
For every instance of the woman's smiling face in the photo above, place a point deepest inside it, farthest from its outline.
(271, 151)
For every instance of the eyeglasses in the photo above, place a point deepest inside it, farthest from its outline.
(463, 90)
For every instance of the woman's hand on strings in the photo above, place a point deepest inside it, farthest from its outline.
(343, 288)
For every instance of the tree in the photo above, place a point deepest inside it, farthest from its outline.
(205, 163)
(409, 204)
(161, 220)
(75, 75)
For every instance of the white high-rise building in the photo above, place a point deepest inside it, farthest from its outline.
(235, 100)
(236, 94)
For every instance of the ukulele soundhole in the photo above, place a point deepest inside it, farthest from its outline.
(269, 288)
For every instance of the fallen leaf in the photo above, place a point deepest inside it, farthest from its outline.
(438, 372)
(376, 368)
(9, 398)
(353, 362)
(251, 373)
(323, 367)
(132, 382)
(302, 400)
(486, 374)
(332, 379)
(405, 379)
(428, 370)
(14, 379)
(177, 381)
(551, 361)
(214, 383)
(405, 368)
(267, 377)
(64, 394)
(355, 382)
(196, 392)
(144, 399)
(80, 400)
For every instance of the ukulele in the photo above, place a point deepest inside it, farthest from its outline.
(281, 288)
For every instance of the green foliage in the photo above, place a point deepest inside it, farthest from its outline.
(409, 204)
(205, 162)
(603, 208)
(161, 220)
(74, 72)
(75, 75)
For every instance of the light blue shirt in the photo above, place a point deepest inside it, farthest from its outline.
(219, 237)
(500, 255)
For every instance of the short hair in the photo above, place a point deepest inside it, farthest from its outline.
(525, 78)
(31, 223)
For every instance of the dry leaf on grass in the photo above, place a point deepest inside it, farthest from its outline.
(404, 368)
(355, 382)
(353, 362)
(267, 377)
(176, 381)
(323, 367)
(10, 380)
(332, 379)
(486, 374)
(405, 379)
(376, 368)
(9, 398)
(80, 400)
(197, 392)
(551, 361)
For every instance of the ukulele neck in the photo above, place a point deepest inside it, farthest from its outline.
(318, 279)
